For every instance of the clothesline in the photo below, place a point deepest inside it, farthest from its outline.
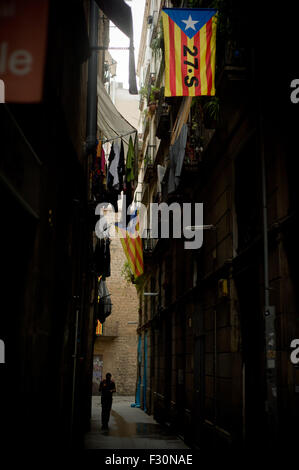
(118, 137)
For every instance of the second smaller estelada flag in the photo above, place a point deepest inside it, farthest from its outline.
(190, 49)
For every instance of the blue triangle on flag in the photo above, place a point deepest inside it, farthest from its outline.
(130, 228)
(190, 20)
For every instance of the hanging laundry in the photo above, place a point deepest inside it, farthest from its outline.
(97, 173)
(129, 177)
(160, 173)
(111, 166)
(114, 165)
(111, 195)
(103, 305)
(110, 160)
(102, 257)
(103, 162)
(177, 154)
(121, 167)
(99, 148)
(130, 162)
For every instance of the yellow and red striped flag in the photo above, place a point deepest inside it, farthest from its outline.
(99, 328)
(190, 49)
(132, 244)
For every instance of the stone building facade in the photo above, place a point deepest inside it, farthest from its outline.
(47, 277)
(206, 365)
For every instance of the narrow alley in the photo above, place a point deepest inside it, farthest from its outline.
(148, 201)
(129, 428)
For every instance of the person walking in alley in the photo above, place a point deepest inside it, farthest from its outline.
(107, 387)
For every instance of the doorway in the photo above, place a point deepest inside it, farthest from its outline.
(252, 331)
(97, 374)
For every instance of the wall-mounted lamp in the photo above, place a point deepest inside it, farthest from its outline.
(150, 293)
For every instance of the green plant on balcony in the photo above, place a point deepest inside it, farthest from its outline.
(211, 110)
(196, 114)
(155, 93)
(157, 44)
(127, 274)
(150, 98)
(143, 92)
(129, 277)
(147, 159)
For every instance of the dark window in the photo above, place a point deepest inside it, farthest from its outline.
(248, 200)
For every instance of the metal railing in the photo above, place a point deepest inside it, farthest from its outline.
(150, 155)
(149, 243)
(138, 196)
(162, 118)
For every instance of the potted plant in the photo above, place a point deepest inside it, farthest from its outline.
(212, 112)
(155, 94)
(143, 92)
(157, 44)
(152, 107)
(153, 97)
(127, 274)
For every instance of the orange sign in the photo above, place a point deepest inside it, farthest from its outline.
(23, 38)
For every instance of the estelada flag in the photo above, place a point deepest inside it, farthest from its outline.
(132, 243)
(99, 328)
(190, 48)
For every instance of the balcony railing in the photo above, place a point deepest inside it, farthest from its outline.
(162, 118)
(138, 196)
(233, 61)
(19, 165)
(154, 25)
(145, 125)
(149, 160)
(150, 155)
(149, 243)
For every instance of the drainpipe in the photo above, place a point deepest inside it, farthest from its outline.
(91, 117)
(269, 311)
(74, 376)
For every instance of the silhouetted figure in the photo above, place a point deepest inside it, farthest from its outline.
(107, 387)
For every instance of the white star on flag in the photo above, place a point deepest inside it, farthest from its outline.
(190, 23)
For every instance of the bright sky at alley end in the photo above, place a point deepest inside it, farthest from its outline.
(118, 39)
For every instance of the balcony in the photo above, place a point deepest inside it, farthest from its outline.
(145, 126)
(144, 193)
(162, 119)
(149, 160)
(20, 167)
(110, 330)
(233, 62)
(138, 197)
(149, 243)
(154, 24)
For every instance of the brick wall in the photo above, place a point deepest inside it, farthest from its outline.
(120, 352)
